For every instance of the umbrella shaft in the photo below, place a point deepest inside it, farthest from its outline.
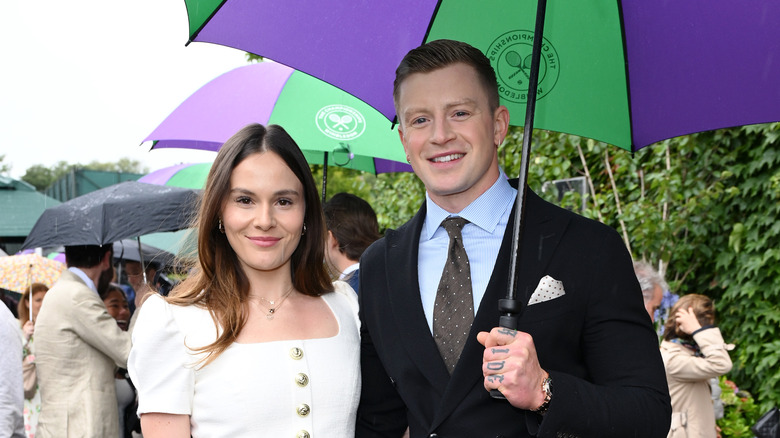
(324, 177)
(510, 307)
(507, 309)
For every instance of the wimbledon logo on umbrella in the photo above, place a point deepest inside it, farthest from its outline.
(510, 55)
(340, 122)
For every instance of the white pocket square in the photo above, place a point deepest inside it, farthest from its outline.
(548, 289)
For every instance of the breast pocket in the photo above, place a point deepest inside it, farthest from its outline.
(555, 325)
(549, 310)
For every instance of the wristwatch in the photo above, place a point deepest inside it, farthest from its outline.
(547, 389)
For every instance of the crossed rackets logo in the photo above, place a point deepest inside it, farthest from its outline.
(510, 55)
(340, 122)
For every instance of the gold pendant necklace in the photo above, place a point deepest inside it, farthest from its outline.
(272, 309)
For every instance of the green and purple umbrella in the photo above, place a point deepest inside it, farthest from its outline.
(629, 73)
(327, 123)
(187, 175)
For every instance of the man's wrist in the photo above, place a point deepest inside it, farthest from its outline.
(546, 388)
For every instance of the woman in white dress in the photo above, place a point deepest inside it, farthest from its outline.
(255, 342)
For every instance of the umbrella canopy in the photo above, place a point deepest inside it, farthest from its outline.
(629, 73)
(58, 256)
(127, 249)
(321, 118)
(120, 211)
(187, 175)
(18, 272)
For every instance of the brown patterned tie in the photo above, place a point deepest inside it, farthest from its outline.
(453, 311)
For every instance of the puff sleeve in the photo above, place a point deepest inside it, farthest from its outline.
(344, 289)
(160, 365)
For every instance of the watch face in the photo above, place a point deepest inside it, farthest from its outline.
(547, 388)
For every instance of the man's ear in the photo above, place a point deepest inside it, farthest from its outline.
(105, 262)
(332, 242)
(500, 124)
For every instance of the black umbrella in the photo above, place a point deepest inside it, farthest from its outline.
(124, 210)
(127, 249)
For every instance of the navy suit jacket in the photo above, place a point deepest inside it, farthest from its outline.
(596, 341)
(352, 279)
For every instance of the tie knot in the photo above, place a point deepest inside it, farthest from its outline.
(454, 225)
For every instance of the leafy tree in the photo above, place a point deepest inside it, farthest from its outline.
(125, 165)
(39, 176)
(4, 167)
(42, 177)
(395, 197)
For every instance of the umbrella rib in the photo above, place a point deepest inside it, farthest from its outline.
(427, 32)
(627, 77)
(197, 32)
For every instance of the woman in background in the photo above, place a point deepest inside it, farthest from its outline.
(255, 342)
(32, 397)
(693, 351)
(116, 303)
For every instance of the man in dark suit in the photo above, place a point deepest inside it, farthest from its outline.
(352, 227)
(584, 361)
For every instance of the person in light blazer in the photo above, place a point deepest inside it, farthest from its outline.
(584, 361)
(694, 352)
(78, 347)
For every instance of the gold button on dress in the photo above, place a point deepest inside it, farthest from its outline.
(296, 353)
(303, 410)
(301, 379)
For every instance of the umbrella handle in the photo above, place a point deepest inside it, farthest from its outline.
(29, 296)
(509, 309)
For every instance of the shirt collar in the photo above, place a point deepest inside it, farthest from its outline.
(83, 276)
(350, 269)
(484, 212)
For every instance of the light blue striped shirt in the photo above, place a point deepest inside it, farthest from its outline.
(488, 216)
(90, 284)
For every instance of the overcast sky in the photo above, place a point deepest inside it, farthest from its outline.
(90, 79)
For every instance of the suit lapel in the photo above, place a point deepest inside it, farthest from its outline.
(405, 303)
(542, 234)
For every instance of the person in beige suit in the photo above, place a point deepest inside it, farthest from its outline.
(78, 347)
(693, 351)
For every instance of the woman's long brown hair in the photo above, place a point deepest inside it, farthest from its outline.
(25, 302)
(217, 282)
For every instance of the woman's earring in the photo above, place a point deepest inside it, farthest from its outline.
(221, 227)
(304, 229)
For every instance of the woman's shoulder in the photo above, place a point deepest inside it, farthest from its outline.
(344, 291)
(343, 296)
(158, 313)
